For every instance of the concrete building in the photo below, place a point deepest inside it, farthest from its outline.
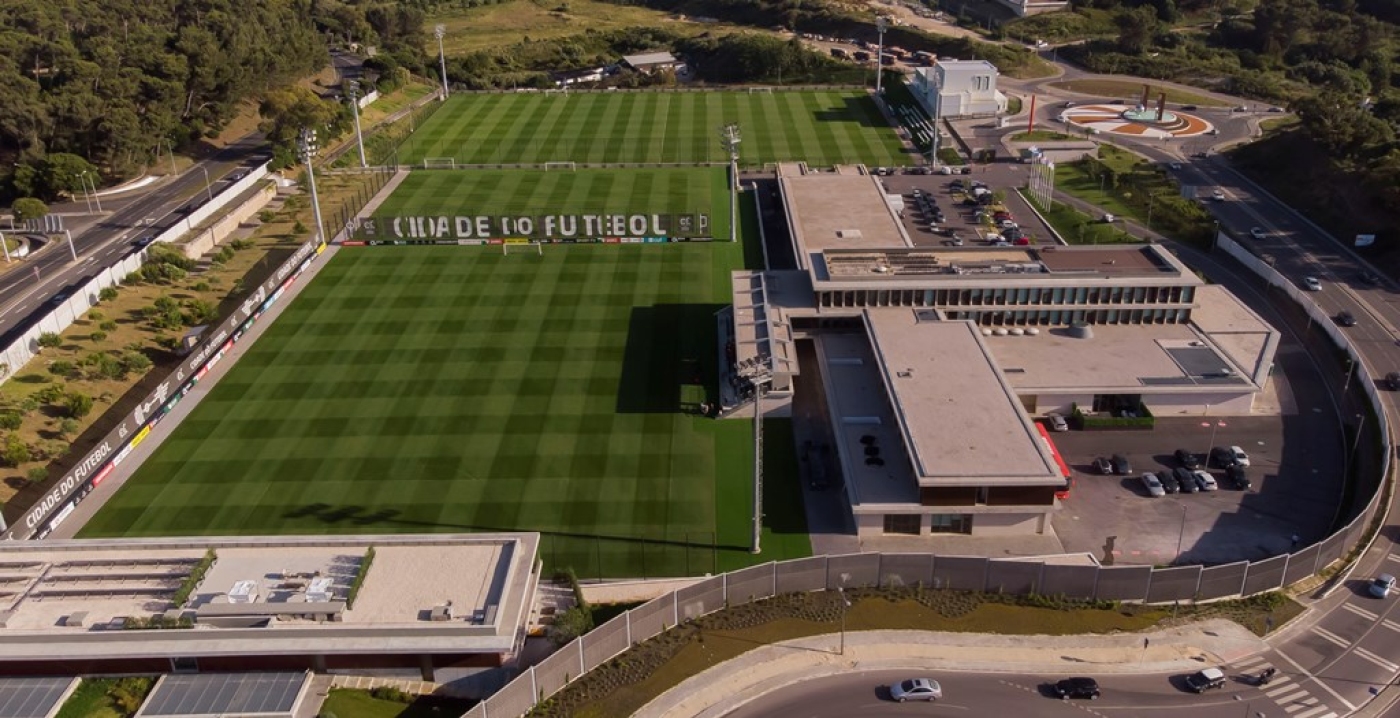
(935, 362)
(958, 88)
(580, 76)
(652, 61)
(1026, 8)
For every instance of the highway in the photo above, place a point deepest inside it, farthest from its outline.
(26, 290)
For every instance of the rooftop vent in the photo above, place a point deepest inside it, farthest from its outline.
(848, 234)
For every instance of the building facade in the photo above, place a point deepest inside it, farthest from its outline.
(951, 89)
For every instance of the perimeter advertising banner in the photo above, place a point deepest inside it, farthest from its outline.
(495, 229)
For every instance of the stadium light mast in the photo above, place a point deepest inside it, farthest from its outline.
(306, 143)
(729, 139)
(353, 90)
(439, 31)
(880, 24)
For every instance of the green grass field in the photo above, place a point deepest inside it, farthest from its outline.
(445, 389)
(524, 192)
(819, 127)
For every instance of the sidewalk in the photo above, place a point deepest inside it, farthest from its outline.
(730, 685)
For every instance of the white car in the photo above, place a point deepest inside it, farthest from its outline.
(916, 689)
(1312, 284)
(1258, 233)
(1204, 480)
(1238, 456)
(1382, 585)
(1218, 195)
(1153, 485)
(1057, 422)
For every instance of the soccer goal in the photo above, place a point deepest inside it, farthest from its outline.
(760, 90)
(538, 247)
(439, 163)
(560, 167)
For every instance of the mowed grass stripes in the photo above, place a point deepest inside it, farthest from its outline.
(445, 389)
(817, 127)
(689, 190)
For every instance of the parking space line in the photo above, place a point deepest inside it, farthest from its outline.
(1392, 625)
(1332, 637)
(1383, 663)
(1313, 712)
(1393, 557)
(1360, 612)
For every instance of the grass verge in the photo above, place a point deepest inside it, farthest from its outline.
(1123, 184)
(1079, 228)
(1127, 89)
(107, 697)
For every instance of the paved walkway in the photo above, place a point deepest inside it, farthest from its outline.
(730, 685)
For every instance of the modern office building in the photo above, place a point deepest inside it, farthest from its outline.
(958, 88)
(934, 362)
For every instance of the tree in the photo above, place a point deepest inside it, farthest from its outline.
(27, 208)
(286, 111)
(15, 451)
(50, 340)
(67, 428)
(1136, 28)
(61, 173)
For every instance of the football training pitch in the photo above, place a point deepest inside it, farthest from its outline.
(819, 127)
(521, 192)
(443, 389)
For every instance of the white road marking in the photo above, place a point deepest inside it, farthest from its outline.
(1332, 637)
(1392, 625)
(1360, 612)
(1277, 693)
(1383, 663)
(1311, 713)
(1393, 557)
(1320, 683)
(1251, 661)
(1308, 702)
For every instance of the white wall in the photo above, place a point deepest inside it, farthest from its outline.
(1007, 524)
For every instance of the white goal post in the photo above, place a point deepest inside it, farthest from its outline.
(539, 248)
(760, 90)
(560, 166)
(439, 163)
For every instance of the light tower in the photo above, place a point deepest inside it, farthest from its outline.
(438, 32)
(352, 88)
(729, 140)
(880, 23)
(306, 144)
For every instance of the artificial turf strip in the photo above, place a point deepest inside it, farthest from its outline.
(688, 190)
(818, 127)
(446, 389)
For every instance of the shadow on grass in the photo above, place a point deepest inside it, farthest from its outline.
(669, 346)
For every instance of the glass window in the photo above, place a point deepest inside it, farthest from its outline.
(950, 523)
(908, 524)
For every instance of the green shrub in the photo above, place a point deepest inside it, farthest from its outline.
(299, 227)
(36, 474)
(50, 340)
(97, 336)
(191, 582)
(49, 394)
(359, 581)
(135, 362)
(61, 367)
(107, 294)
(95, 315)
(390, 693)
(266, 216)
(15, 451)
(108, 326)
(79, 405)
(10, 420)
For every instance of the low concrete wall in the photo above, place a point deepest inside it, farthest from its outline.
(211, 236)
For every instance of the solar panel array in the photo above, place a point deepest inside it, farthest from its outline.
(31, 697)
(214, 694)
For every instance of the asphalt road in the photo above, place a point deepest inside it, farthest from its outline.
(103, 240)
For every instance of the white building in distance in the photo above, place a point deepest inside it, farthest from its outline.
(959, 88)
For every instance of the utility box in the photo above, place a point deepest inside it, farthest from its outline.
(243, 592)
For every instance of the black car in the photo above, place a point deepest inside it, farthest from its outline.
(1169, 483)
(1346, 319)
(966, 169)
(1103, 466)
(1077, 688)
(1189, 108)
(1235, 474)
(1392, 381)
(1121, 465)
(1222, 456)
(955, 186)
(1188, 459)
(1370, 278)
(1186, 480)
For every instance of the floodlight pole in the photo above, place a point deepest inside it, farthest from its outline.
(170, 146)
(353, 88)
(439, 31)
(96, 199)
(87, 198)
(71, 249)
(756, 548)
(307, 145)
(729, 139)
(880, 23)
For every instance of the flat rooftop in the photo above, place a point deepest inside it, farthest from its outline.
(1241, 334)
(70, 598)
(953, 267)
(1117, 358)
(962, 420)
(837, 210)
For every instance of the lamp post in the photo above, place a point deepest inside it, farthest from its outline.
(439, 31)
(1351, 366)
(1214, 425)
(880, 23)
(729, 139)
(170, 146)
(208, 186)
(353, 88)
(87, 198)
(96, 198)
(845, 606)
(306, 143)
(1356, 442)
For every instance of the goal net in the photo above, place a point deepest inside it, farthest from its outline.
(760, 90)
(439, 163)
(559, 167)
(535, 248)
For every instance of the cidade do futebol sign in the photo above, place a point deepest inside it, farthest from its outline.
(539, 227)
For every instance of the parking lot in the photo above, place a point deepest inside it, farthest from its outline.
(961, 219)
(1115, 519)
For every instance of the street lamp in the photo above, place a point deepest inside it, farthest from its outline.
(87, 198)
(439, 31)
(729, 139)
(880, 23)
(96, 198)
(845, 606)
(353, 88)
(1214, 425)
(1346, 383)
(1181, 535)
(170, 146)
(208, 186)
(306, 144)
(1356, 442)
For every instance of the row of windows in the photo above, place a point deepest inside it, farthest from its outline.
(1022, 318)
(1007, 296)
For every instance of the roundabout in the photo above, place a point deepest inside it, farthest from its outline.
(1139, 121)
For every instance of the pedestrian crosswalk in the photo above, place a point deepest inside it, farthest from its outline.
(1290, 695)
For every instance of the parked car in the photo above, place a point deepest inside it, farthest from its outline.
(1312, 284)
(916, 689)
(1235, 474)
(1185, 479)
(1392, 381)
(1206, 679)
(1168, 482)
(1238, 456)
(1103, 466)
(1077, 688)
(1188, 459)
(1057, 422)
(1275, 109)
(1204, 480)
(1174, 166)
(1153, 485)
(1346, 319)
(1121, 465)
(1382, 585)
(1258, 232)
(1218, 195)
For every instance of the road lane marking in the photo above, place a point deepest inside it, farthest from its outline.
(1332, 637)
(1392, 625)
(1383, 663)
(1360, 612)
(1312, 713)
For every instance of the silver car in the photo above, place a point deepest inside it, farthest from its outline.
(1204, 480)
(1057, 422)
(1382, 585)
(916, 689)
(1153, 485)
